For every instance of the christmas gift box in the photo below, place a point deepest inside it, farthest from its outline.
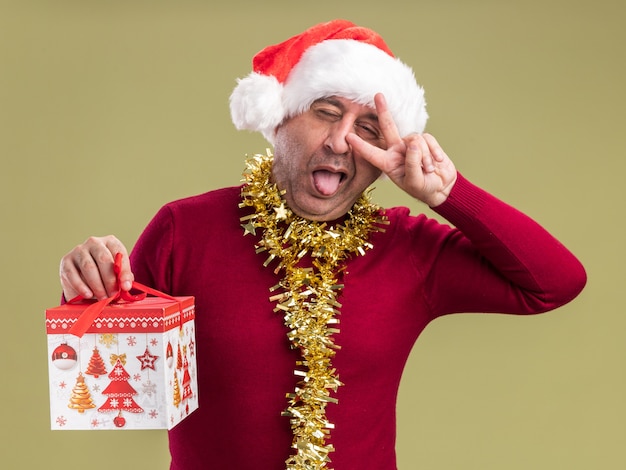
(124, 363)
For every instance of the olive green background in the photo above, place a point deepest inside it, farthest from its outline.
(110, 109)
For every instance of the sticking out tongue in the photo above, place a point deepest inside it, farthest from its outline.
(326, 182)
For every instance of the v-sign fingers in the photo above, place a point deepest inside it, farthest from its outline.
(385, 121)
(390, 157)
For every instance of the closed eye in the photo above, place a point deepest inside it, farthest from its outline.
(327, 114)
(367, 131)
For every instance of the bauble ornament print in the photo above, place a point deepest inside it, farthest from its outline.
(64, 357)
(119, 420)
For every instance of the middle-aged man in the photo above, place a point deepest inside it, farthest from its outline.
(309, 297)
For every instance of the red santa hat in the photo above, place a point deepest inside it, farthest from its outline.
(336, 58)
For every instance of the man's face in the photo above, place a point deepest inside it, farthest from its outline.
(314, 163)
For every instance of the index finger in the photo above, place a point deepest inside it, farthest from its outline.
(385, 121)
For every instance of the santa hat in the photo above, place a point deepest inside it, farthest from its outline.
(336, 58)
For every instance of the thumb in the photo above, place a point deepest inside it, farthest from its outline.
(123, 270)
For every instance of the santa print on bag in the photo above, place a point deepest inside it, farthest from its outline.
(120, 395)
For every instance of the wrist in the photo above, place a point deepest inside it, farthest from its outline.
(442, 195)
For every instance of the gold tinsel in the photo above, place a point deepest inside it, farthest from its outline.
(306, 296)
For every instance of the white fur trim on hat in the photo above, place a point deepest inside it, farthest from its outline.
(336, 67)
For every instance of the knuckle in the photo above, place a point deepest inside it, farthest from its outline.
(93, 241)
(102, 257)
(110, 239)
(86, 266)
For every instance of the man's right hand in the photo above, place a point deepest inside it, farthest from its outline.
(87, 270)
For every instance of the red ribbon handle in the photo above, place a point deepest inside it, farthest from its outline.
(92, 311)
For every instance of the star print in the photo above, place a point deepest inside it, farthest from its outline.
(147, 360)
(281, 212)
(248, 228)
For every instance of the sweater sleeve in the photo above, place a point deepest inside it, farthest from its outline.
(499, 259)
(151, 256)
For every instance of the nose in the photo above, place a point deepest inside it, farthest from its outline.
(336, 138)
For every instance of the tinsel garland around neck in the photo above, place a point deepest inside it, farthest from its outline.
(307, 297)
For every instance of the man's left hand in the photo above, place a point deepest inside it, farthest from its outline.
(415, 163)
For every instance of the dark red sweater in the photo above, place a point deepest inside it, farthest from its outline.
(496, 260)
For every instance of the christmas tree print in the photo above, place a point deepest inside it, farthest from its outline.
(119, 392)
(179, 359)
(187, 392)
(96, 365)
(176, 390)
(81, 397)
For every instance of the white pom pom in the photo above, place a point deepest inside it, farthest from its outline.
(256, 104)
